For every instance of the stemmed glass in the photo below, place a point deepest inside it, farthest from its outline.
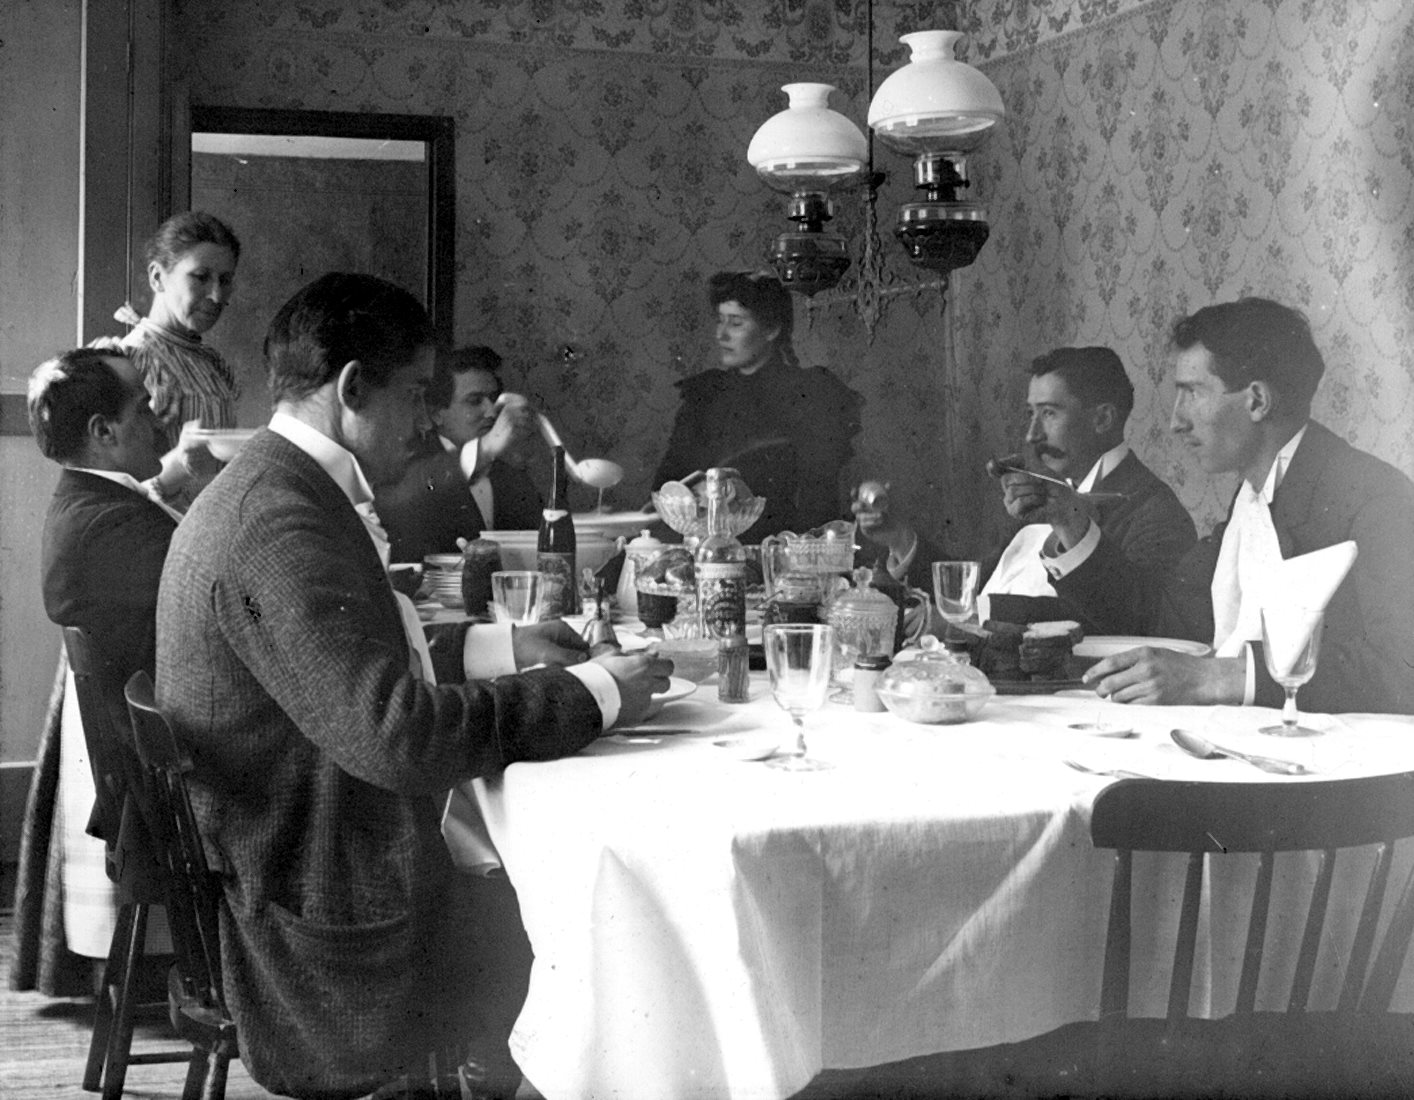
(798, 660)
(955, 589)
(1291, 638)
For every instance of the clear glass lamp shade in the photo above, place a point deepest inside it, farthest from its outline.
(935, 103)
(808, 146)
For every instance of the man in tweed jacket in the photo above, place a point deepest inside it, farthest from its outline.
(320, 753)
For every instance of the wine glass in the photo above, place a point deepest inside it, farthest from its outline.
(1291, 638)
(955, 589)
(798, 660)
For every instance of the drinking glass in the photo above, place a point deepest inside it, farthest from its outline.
(798, 661)
(516, 596)
(1291, 638)
(955, 589)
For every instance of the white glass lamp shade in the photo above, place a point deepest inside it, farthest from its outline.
(808, 146)
(935, 103)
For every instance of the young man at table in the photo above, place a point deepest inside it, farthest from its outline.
(459, 483)
(1246, 372)
(321, 756)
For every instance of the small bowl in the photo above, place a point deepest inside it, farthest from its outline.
(924, 703)
(693, 659)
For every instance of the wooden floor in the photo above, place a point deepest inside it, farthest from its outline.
(44, 1044)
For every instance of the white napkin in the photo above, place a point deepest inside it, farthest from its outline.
(1306, 582)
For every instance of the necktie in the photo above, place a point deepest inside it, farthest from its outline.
(1247, 564)
(421, 657)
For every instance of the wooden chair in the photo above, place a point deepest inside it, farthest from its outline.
(1214, 820)
(196, 1000)
(132, 866)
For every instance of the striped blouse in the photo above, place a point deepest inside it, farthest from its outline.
(187, 379)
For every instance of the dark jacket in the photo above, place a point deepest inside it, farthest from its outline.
(1150, 527)
(431, 507)
(320, 761)
(1331, 492)
(102, 554)
(788, 430)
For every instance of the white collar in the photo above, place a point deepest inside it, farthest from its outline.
(127, 481)
(335, 460)
(1104, 466)
(1283, 459)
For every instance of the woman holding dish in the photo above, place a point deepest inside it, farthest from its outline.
(787, 429)
(191, 270)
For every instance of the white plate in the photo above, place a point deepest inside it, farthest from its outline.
(224, 443)
(678, 688)
(613, 524)
(1106, 645)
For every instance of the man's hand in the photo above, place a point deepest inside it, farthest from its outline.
(638, 677)
(877, 523)
(554, 643)
(1032, 500)
(513, 423)
(1163, 676)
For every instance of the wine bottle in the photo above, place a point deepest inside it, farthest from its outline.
(555, 549)
(720, 566)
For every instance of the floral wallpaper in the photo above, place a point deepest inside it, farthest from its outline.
(1192, 151)
(1157, 156)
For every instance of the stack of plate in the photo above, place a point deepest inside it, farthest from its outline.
(442, 578)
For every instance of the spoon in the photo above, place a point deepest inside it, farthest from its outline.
(996, 467)
(1204, 749)
(597, 473)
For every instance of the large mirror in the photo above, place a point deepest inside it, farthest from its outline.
(314, 191)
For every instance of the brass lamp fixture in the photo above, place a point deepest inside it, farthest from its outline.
(937, 110)
(806, 151)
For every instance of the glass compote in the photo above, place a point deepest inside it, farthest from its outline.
(1291, 638)
(798, 660)
(955, 589)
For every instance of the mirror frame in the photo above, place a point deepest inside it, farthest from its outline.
(438, 132)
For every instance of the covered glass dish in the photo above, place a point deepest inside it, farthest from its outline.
(931, 686)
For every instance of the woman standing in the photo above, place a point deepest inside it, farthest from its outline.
(191, 268)
(787, 429)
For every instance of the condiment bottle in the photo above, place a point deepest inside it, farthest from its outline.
(720, 566)
(639, 551)
(555, 549)
(733, 672)
(480, 558)
(867, 670)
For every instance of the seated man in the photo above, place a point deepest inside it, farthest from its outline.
(886, 541)
(105, 540)
(458, 485)
(1078, 402)
(106, 535)
(320, 754)
(1246, 372)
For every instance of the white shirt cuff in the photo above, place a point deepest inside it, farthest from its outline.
(1249, 689)
(470, 452)
(602, 686)
(487, 652)
(1070, 560)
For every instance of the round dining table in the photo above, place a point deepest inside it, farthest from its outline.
(705, 925)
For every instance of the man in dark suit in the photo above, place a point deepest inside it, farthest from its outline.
(1246, 372)
(460, 484)
(321, 756)
(1078, 402)
(106, 534)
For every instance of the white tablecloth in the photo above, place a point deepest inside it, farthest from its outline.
(708, 927)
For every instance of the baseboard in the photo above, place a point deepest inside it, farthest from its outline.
(14, 793)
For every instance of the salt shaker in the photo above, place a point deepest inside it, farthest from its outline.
(733, 674)
(867, 670)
